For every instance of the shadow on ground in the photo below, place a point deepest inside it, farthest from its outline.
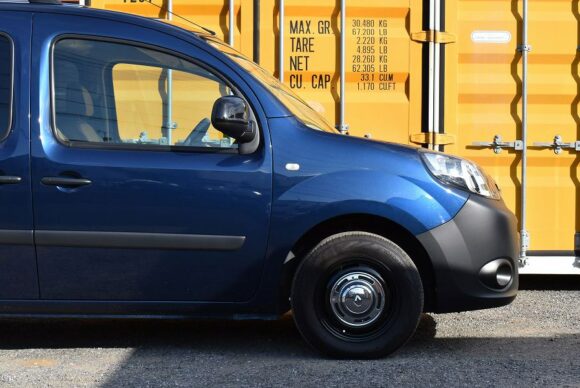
(230, 353)
(264, 353)
(549, 282)
(280, 335)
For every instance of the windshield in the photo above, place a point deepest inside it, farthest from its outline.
(295, 104)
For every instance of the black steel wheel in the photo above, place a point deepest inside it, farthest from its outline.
(357, 295)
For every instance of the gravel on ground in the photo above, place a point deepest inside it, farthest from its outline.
(533, 342)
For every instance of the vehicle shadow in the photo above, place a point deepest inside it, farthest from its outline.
(265, 338)
(267, 353)
(205, 335)
(549, 282)
(218, 353)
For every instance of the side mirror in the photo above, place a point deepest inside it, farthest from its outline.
(230, 116)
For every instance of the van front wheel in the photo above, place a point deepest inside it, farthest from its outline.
(357, 295)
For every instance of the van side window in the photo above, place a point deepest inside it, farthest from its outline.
(5, 85)
(116, 94)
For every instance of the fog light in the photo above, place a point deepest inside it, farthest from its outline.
(497, 274)
(503, 276)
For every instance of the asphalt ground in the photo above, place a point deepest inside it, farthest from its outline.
(535, 341)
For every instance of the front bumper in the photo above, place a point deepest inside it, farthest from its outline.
(483, 231)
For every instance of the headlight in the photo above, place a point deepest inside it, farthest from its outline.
(461, 173)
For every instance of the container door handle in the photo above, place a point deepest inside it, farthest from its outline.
(9, 180)
(497, 144)
(558, 145)
(65, 182)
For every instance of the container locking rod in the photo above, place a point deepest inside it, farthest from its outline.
(342, 126)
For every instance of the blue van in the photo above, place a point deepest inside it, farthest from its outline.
(144, 215)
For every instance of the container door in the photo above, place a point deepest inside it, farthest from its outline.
(483, 112)
(18, 276)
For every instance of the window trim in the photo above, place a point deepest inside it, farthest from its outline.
(129, 146)
(4, 135)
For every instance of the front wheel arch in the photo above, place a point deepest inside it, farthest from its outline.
(363, 223)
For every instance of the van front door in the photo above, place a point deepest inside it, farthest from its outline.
(137, 196)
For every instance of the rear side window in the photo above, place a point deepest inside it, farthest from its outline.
(5, 85)
(112, 94)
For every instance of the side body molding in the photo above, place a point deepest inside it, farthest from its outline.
(128, 240)
(138, 240)
(16, 237)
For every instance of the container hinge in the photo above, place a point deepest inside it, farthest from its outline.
(497, 144)
(343, 128)
(433, 36)
(558, 145)
(525, 244)
(426, 138)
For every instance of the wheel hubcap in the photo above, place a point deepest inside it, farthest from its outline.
(357, 299)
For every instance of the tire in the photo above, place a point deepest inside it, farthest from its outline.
(357, 295)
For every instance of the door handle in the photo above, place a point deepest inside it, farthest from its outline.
(65, 182)
(9, 180)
